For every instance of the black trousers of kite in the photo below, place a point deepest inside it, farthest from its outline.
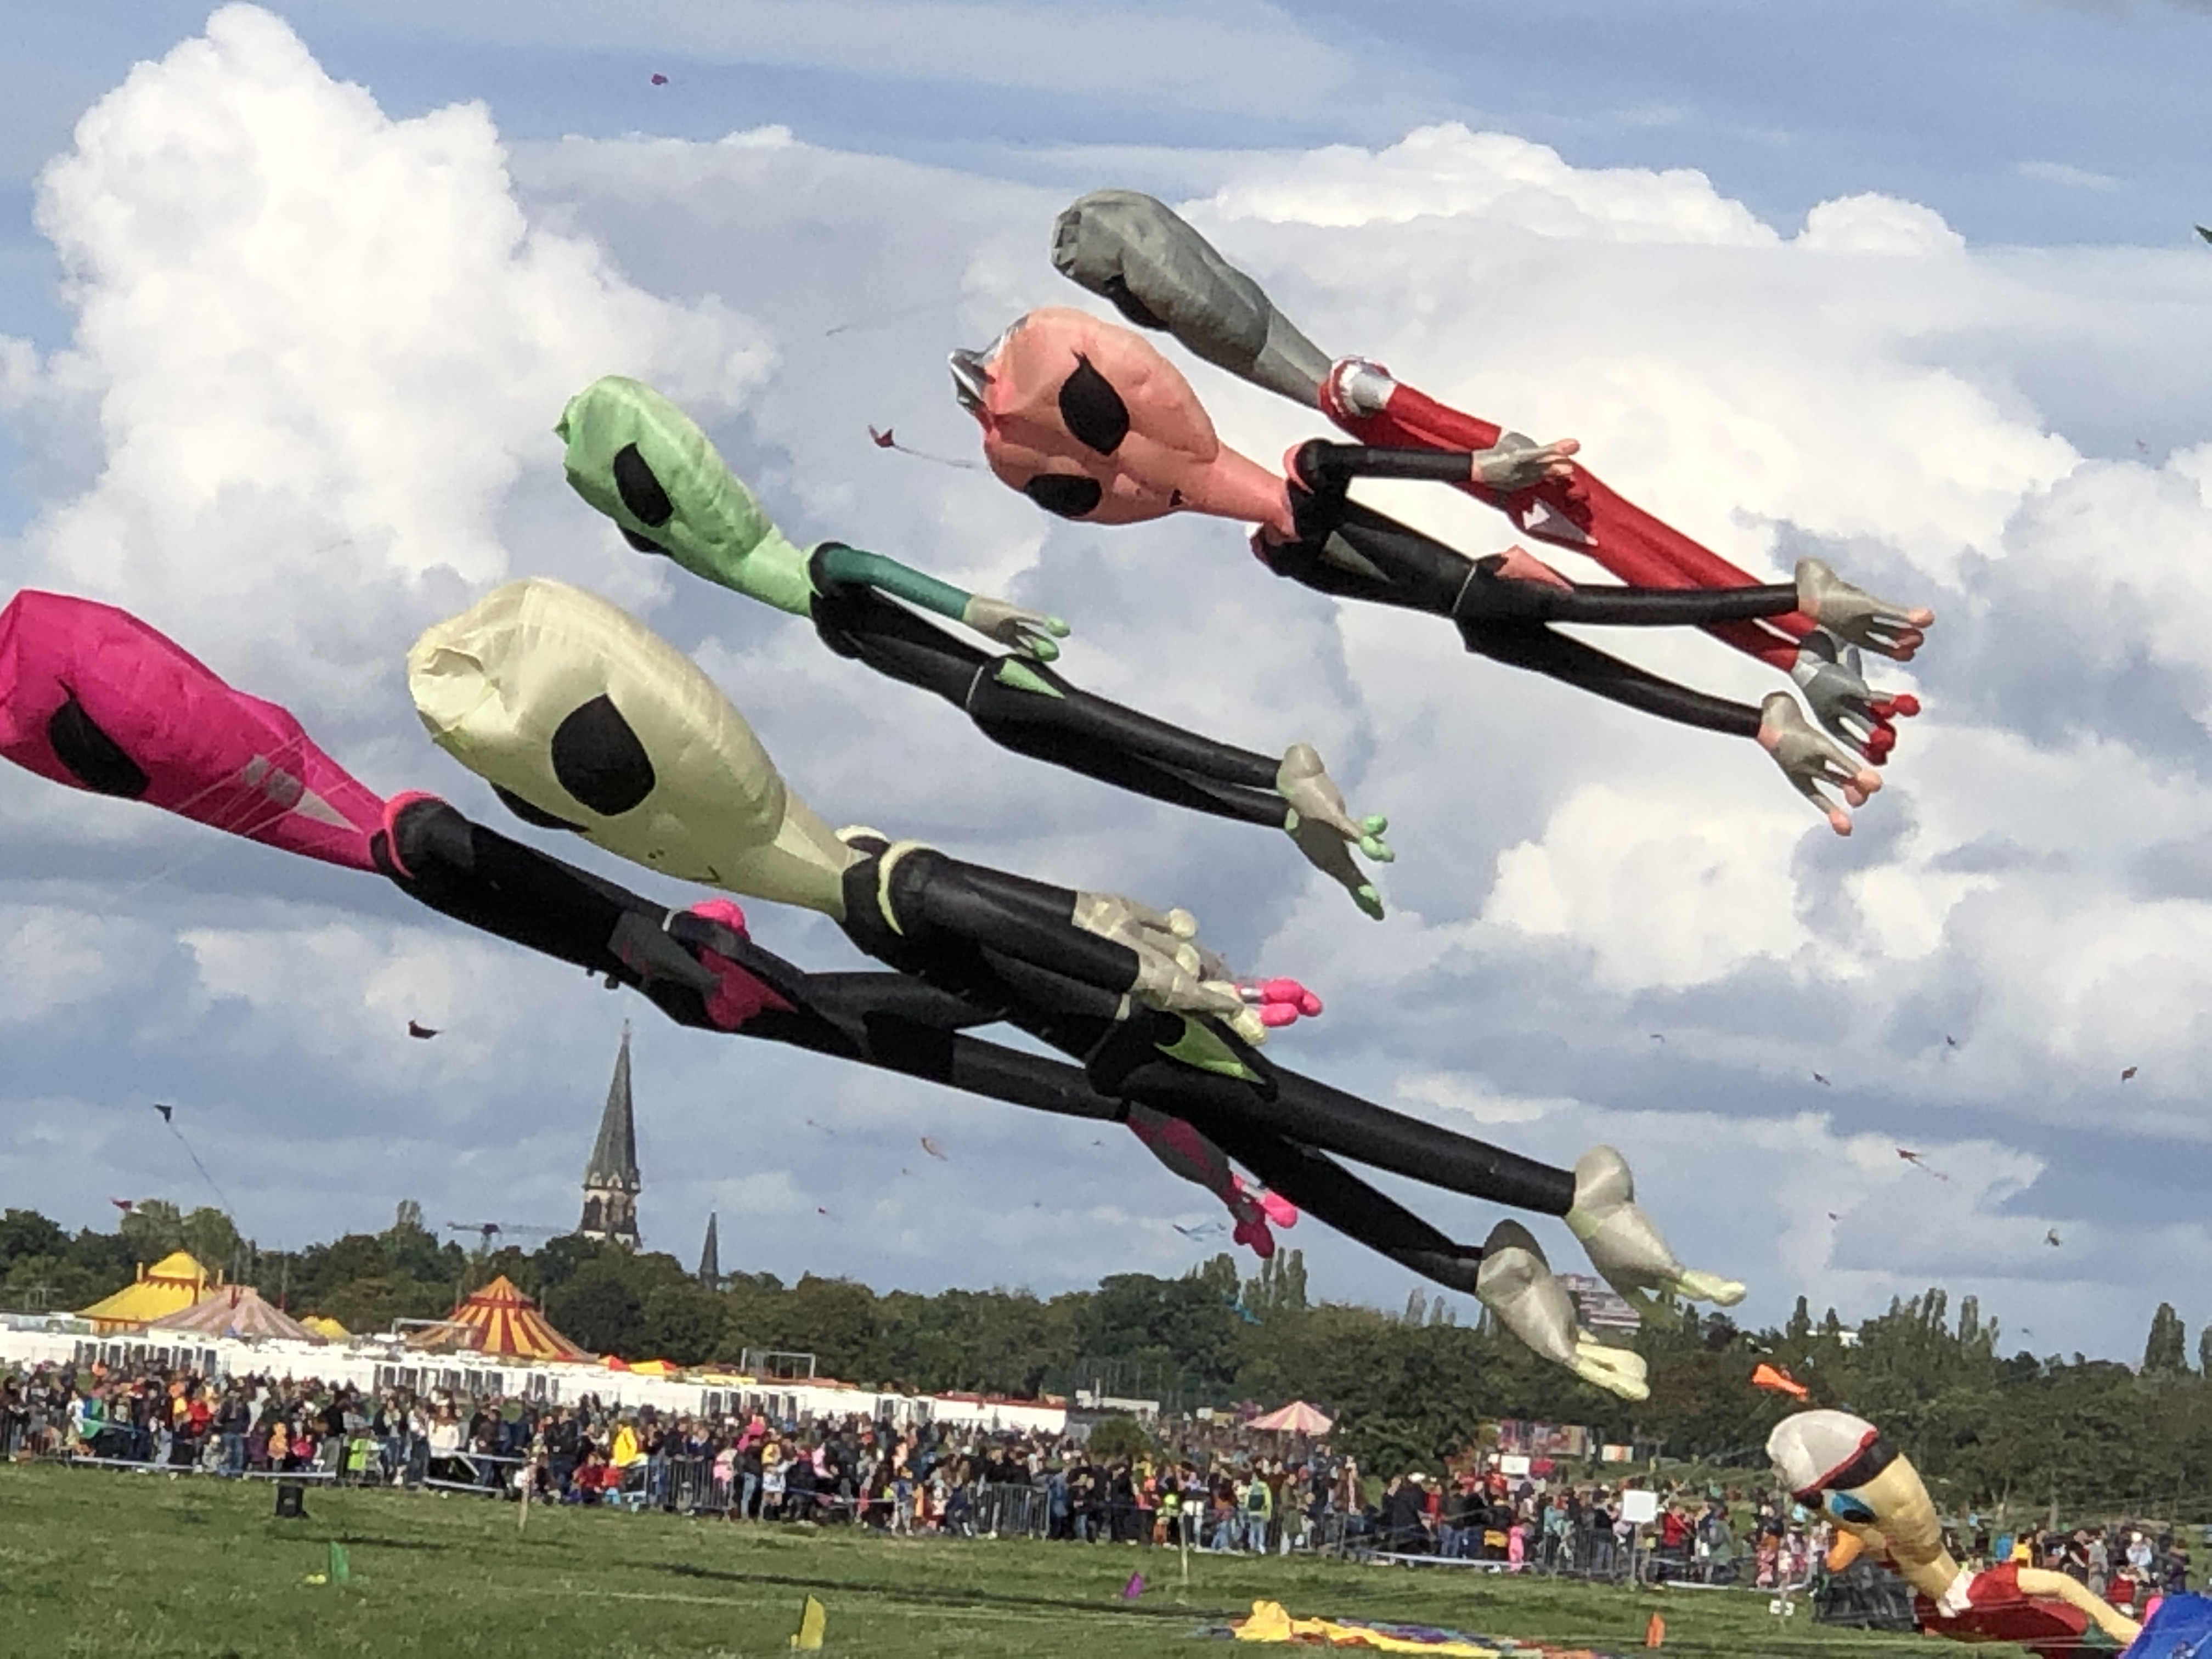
(1352, 551)
(898, 1022)
(1025, 706)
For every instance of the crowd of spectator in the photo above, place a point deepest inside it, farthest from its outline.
(1203, 1485)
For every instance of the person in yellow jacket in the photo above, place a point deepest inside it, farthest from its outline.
(626, 1450)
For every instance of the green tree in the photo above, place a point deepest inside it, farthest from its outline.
(682, 1322)
(599, 1311)
(2166, 1351)
(213, 1239)
(27, 1233)
(152, 1229)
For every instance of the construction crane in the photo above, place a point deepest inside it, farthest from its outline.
(487, 1231)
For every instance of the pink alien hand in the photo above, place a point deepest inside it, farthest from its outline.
(1280, 1001)
(740, 996)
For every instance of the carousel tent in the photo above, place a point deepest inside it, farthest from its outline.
(172, 1285)
(1297, 1418)
(499, 1322)
(237, 1310)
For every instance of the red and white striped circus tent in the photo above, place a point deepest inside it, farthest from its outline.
(499, 1322)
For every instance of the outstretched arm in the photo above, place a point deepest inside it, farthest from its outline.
(835, 568)
(645, 464)
(1029, 708)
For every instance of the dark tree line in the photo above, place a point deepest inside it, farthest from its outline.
(1409, 1386)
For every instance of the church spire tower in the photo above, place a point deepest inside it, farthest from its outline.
(611, 1182)
(710, 1257)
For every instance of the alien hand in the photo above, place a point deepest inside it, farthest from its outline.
(1856, 616)
(1303, 781)
(1515, 1284)
(1828, 672)
(1324, 828)
(1253, 1208)
(1279, 1002)
(1029, 632)
(1172, 973)
(1516, 463)
(1810, 762)
(1625, 1245)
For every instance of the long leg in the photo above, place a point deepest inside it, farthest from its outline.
(1533, 647)
(1330, 1194)
(1496, 589)
(1025, 706)
(1133, 1061)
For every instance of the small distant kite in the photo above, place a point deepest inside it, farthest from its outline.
(168, 1113)
(1920, 1164)
(421, 1032)
(1204, 1231)
(1658, 1037)
(1822, 1081)
(1833, 1216)
(824, 1127)
(886, 439)
(2206, 234)
(818, 1210)
(934, 1149)
(2052, 1238)
(659, 79)
(125, 1205)
(2129, 1072)
(1779, 1382)
(1950, 1042)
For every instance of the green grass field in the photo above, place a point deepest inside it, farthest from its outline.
(129, 1566)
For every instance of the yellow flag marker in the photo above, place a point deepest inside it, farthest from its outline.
(813, 1618)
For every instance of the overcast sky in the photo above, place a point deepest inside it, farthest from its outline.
(289, 303)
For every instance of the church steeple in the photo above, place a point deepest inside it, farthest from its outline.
(611, 1182)
(710, 1257)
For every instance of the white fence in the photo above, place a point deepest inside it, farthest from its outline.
(382, 1363)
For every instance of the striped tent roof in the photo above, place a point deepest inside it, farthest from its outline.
(237, 1310)
(499, 1322)
(1297, 1418)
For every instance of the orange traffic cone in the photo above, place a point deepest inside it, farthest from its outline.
(1655, 1633)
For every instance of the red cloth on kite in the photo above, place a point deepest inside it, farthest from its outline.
(1998, 1612)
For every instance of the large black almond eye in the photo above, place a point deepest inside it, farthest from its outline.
(642, 544)
(639, 490)
(1069, 494)
(1092, 410)
(599, 761)
(94, 759)
(529, 814)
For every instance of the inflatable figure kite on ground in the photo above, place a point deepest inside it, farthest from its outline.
(93, 698)
(645, 464)
(1840, 1465)
(1092, 423)
(579, 716)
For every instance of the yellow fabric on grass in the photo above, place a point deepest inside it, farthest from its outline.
(1270, 1623)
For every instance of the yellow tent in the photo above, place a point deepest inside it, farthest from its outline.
(170, 1285)
(323, 1326)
